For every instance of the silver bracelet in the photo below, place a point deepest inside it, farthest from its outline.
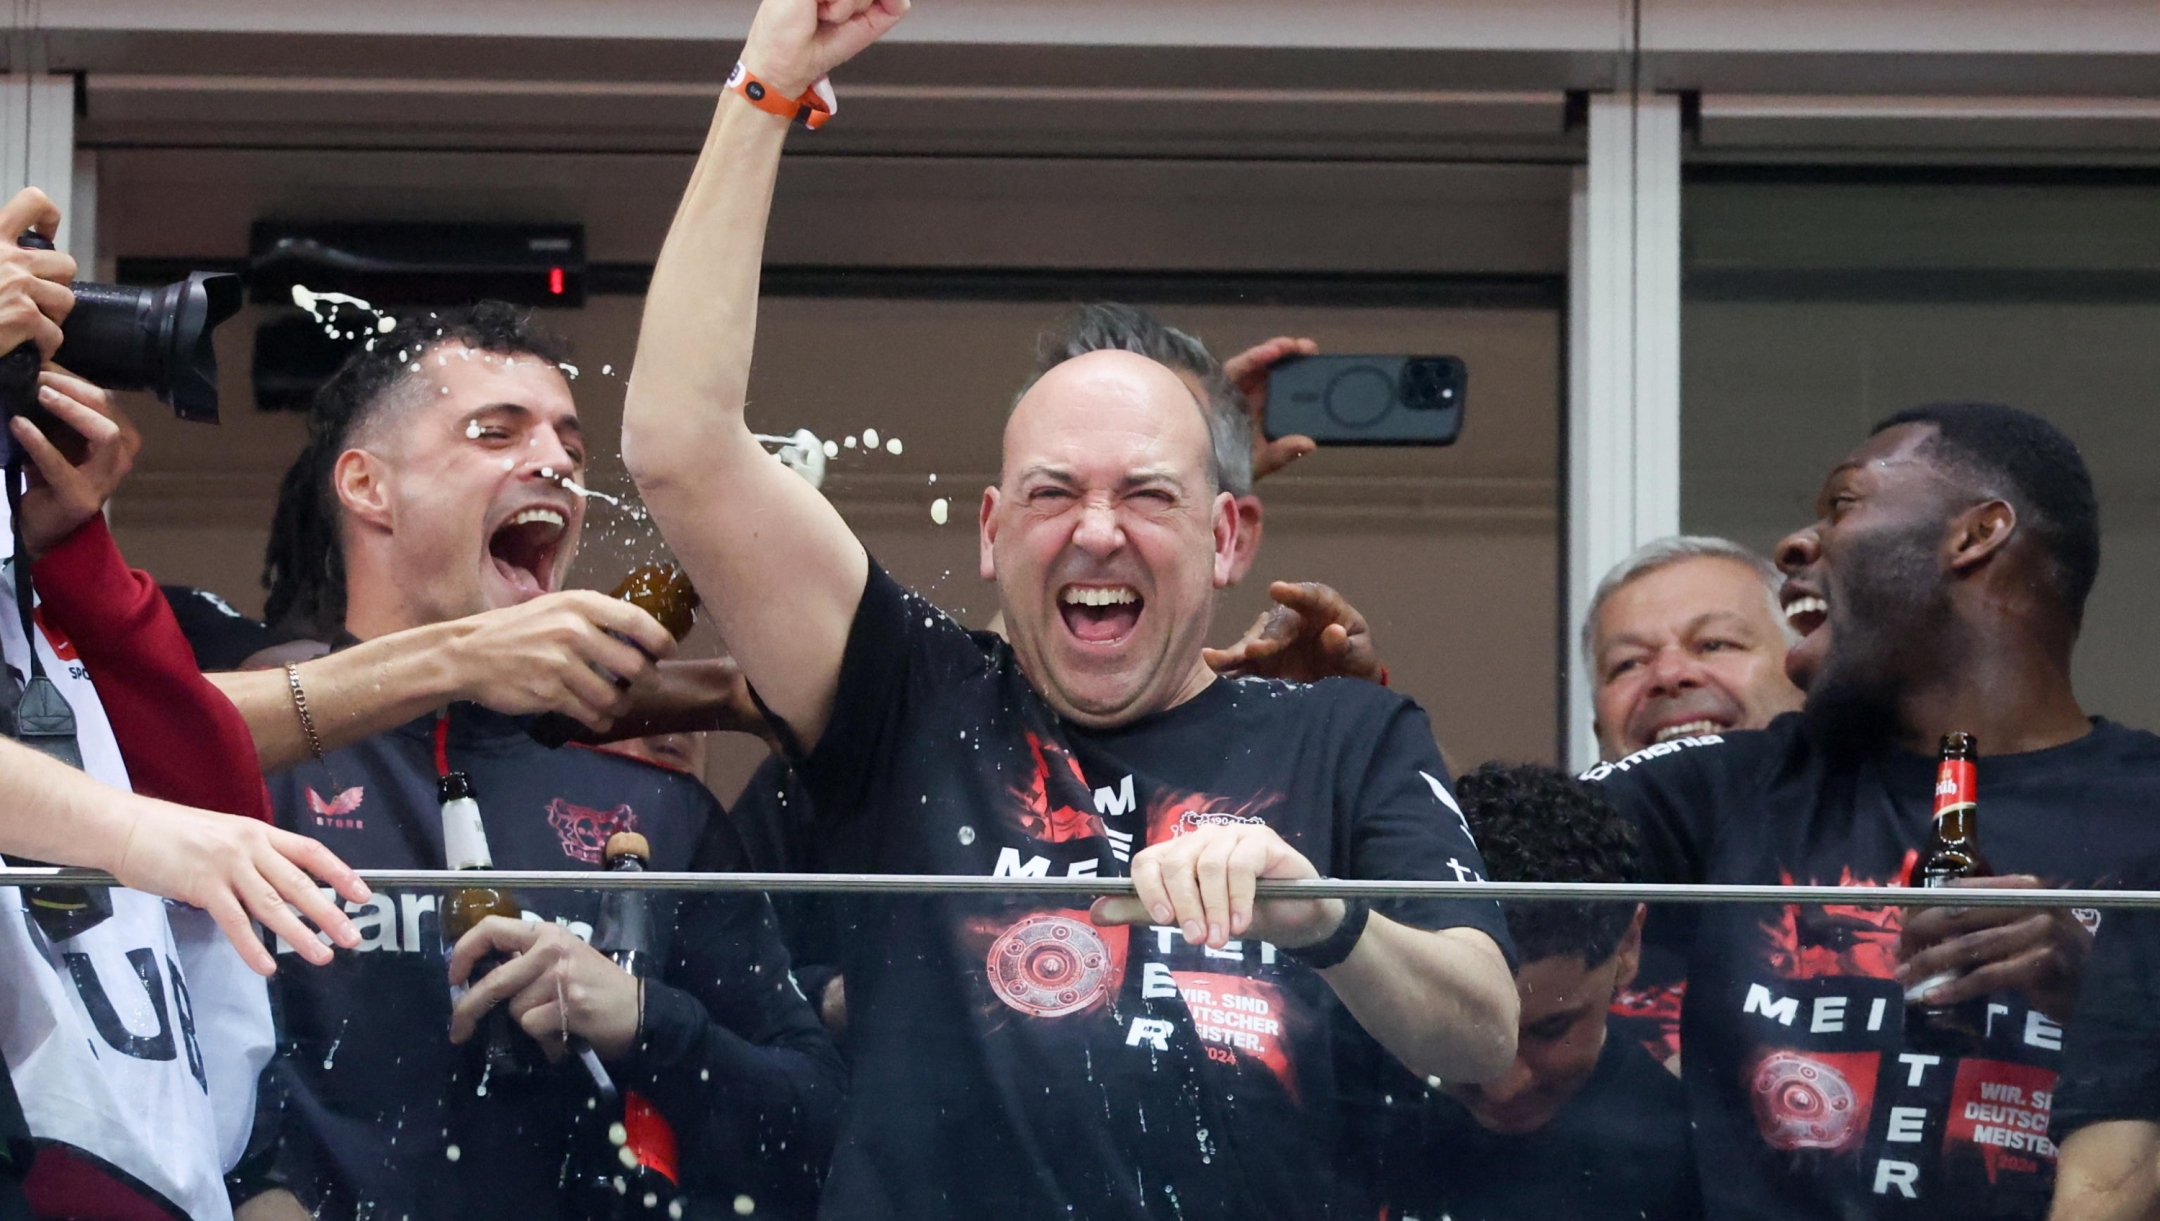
(299, 703)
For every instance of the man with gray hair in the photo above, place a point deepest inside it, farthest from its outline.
(1685, 637)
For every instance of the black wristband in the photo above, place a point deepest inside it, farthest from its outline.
(1321, 955)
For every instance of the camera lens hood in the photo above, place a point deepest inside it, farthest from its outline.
(155, 339)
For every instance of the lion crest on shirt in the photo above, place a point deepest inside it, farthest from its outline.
(584, 831)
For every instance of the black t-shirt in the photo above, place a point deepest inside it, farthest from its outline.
(376, 1114)
(1806, 1099)
(1012, 1060)
(773, 816)
(220, 636)
(2111, 1057)
(1618, 1151)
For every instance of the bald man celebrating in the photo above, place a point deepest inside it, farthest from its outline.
(1156, 1056)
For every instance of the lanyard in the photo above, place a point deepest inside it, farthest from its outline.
(442, 743)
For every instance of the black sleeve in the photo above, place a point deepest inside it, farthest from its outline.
(1672, 795)
(900, 644)
(1404, 824)
(2111, 1052)
(220, 636)
(733, 1054)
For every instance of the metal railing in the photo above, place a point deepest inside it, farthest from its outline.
(1090, 887)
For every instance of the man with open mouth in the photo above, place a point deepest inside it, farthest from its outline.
(1939, 590)
(1019, 1055)
(1686, 637)
(439, 471)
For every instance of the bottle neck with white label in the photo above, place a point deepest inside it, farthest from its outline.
(465, 843)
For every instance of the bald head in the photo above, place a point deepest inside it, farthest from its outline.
(1096, 388)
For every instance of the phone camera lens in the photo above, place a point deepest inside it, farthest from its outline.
(1425, 385)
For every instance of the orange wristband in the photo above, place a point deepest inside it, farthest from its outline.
(811, 109)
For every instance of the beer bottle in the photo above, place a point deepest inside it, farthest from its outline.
(1953, 852)
(660, 590)
(636, 1173)
(502, 1046)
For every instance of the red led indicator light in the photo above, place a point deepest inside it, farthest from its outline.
(555, 280)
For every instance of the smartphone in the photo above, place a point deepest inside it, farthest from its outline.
(1368, 400)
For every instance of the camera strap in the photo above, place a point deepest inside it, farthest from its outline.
(40, 717)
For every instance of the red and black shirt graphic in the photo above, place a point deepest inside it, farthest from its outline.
(1012, 1058)
(1807, 1096)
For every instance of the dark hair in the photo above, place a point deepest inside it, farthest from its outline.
(2024, 459)
(304, 564)
(1109, 326)
(1535, 823)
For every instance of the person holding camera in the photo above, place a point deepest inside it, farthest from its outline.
(1017, 1056)
(110, 1117)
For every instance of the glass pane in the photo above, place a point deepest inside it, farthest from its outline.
(1818, 305)
(986, 1047)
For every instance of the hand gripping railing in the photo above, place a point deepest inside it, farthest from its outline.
(1317, 888)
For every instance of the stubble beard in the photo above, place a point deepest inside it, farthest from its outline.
(1895, 631)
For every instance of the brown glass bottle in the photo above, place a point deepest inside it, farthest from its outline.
(1953, 852)
(503, 1051)
(660, 590)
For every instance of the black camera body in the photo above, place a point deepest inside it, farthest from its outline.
(1368, 400)
(127, 338)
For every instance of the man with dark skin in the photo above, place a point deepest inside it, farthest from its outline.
(1940, 590)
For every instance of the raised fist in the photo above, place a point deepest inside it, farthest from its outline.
(794, 43)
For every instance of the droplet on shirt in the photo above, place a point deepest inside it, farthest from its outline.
(939, 510)
(967, 834)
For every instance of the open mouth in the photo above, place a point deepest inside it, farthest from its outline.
(524, 549)
(1689, 729)
(1806, 613)
(1100, 614)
